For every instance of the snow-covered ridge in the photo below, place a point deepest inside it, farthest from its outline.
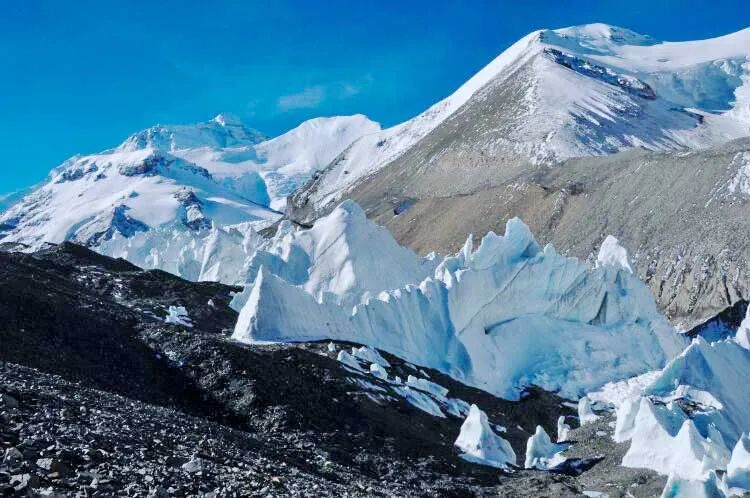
(502, 317)
(176, 182)
(592, 89)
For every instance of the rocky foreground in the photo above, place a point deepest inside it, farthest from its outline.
(103, 397)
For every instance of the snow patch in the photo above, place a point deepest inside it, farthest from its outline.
(178, 315)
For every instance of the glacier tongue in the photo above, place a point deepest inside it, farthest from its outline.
(508, 315)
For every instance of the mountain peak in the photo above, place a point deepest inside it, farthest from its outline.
(227, 119)
(224, 130)
(596, 38)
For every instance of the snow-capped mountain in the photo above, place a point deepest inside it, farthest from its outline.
(266, 171)
(555, 94)
(182, 178)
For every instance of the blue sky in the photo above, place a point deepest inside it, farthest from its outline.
(80, 76)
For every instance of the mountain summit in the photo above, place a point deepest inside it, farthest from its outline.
(555, 94)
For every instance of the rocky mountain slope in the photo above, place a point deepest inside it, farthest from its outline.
(556, 94)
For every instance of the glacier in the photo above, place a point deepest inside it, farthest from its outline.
(541, 452)
(503, 317)
(343, 258)
(688, 420)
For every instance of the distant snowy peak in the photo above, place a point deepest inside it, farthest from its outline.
(579, 91)
(91, 199)
(177, 178)
(225, 130)
(596, 37)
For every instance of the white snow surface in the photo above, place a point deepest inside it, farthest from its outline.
(593, 89)
(480, 444)
(509, 315)
(168, 180)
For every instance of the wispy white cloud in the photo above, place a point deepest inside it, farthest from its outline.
(314, 95)
(309, 98)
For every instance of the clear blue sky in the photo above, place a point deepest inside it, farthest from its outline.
(80, 76)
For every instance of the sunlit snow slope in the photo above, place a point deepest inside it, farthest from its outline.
(178, 180)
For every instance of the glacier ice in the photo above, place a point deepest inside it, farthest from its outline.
(178, 315)
(686, 419)
(541, 452)
(480, 444)
(507, 315)
(707, 487)
(344, 258)
(585, 414)
(738, 468)
(612, 253)
(562, 429)
(370, 355)
(742, 337)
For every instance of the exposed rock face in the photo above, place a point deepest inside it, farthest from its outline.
(681, 216)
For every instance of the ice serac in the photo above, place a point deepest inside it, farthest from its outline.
(691, 414)
(742, 336)
(541, 452)
(480, 444)
(563, 93)
(585, 414)
(738, 469)
(505, 316)
(612, 253)
(708, 487)
(344, 258)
